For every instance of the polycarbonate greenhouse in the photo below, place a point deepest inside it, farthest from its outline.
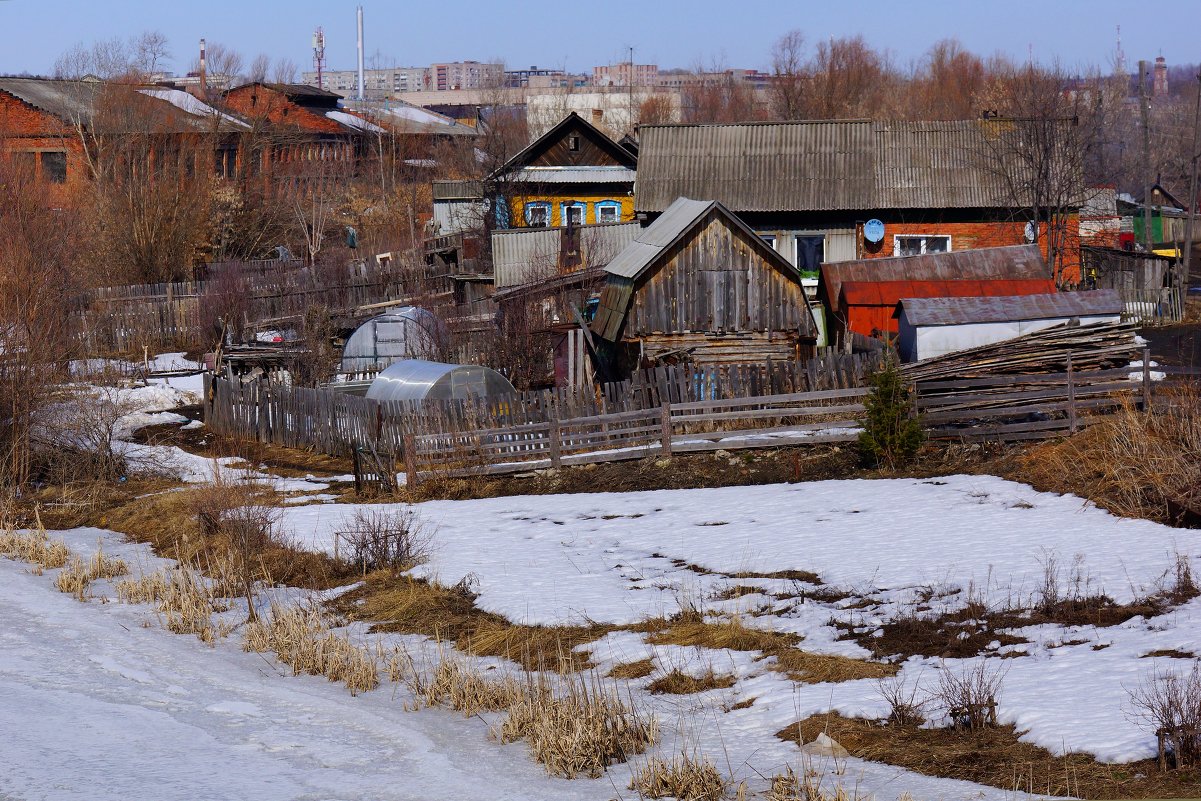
(412, 379)
(409, 332)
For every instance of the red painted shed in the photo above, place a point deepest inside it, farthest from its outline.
(869, 305)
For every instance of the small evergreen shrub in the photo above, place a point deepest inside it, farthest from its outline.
(891, 436)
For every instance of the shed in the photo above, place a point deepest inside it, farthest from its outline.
(699, 281)
(869, 306)
(932, 327)
(415, 380)
(1009, 263)
(406, 333)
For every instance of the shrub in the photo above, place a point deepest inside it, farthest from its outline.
(1170, 704)
(970, 695)
(380, 539)
(906, 702)
(686, 777)
(247, 526)
(891, 435)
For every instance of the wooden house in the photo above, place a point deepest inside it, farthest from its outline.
(700, 285)
(573, 174)
(809, 188)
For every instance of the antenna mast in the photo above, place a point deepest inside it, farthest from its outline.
(319, 56)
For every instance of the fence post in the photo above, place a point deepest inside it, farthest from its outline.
(410, 449)
(552, 437)
(1071, 397)
(1147, 380)
(665, 420)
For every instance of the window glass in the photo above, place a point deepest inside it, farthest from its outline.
(537, 215)
(54, 166)
(770, 239)
(810, 253)
(608, 211)
(917, 245)
(573, 214)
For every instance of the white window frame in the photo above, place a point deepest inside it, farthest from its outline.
(770, 240)
(563, 207)
(896, 242)
(608, 204)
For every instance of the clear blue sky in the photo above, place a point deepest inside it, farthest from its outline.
(578, 35)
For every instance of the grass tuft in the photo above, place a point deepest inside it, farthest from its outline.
(684, 776)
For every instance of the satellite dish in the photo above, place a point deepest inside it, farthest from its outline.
(1031, 233)
(873, 230)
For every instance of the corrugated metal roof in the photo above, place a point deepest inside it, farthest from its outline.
(960, 311)
(71, 101)
(458, 190)
(757, 167)
(823, 166)
(652, 240)
(522, 255)
(889, 293)
(576, 175)
(1014, 262)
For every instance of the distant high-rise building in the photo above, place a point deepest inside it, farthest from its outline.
(625, 74)
(381, 83)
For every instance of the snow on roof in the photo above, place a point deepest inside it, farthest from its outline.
(351, 121)
(191, 104)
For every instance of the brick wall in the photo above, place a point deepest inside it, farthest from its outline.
(27, 130)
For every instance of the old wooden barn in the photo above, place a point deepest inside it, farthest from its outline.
(699, 285)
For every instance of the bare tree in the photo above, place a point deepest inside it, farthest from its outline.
(788, 76)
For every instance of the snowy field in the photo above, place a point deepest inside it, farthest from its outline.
(97, 700)
(620, 558)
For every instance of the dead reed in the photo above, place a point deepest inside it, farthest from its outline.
(788, 786)
(577, 727)
(300, 636)
(34, 546)
(685, 776)
(78, 575)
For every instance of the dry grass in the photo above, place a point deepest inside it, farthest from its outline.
(400, 603)
(800, 666)
(685, 777)
(301, 638)
(577, 727)
(188, 603)
(633, 670)
(147, 588)
(1134, 464)
(78, 575)
(167, 521)
(787, 786)
(676, 682)
(468, 689)
(35, 547)
(996, 757)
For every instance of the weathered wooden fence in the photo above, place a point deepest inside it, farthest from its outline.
(665, 411)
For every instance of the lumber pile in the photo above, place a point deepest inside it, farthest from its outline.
(1093, 347)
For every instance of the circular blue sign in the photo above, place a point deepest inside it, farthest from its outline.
(873, 230)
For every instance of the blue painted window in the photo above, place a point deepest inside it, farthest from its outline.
(537, 214)
(574, 213)
(608, 211)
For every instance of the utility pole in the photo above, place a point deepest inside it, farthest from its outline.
(1144, 104)
(1192, 197)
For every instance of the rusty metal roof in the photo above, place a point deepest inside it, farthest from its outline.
(1014, 262)
(888, 293)
(961, 311)
(837, 165)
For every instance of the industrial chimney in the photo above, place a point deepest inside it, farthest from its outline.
(203, 70)
(362, 95)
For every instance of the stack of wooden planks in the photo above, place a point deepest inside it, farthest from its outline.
(1094, 347)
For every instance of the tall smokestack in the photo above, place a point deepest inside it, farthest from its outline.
(362, 96)
(203, 70)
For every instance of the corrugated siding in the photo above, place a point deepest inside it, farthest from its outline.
(529, 254)
(757, 167)
(937, 165)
